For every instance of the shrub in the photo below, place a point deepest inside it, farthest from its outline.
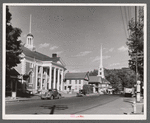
(88, 88)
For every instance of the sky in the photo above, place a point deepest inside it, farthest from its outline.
(76, 33)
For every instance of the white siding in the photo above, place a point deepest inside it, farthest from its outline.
(75, 86)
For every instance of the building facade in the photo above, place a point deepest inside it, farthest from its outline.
(75, 81)
(39, 72)
(100, 84)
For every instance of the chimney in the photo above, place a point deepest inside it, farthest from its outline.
(54, 55)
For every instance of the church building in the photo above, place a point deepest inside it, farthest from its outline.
(101, 85)
(39, 72)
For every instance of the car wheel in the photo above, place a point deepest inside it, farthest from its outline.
(59, 96)
(42, 98)
(52, 97)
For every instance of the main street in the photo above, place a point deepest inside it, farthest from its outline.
(70, 105)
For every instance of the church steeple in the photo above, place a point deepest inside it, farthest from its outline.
(101, 69)
(29, 40)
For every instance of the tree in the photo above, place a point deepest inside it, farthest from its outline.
(93, 73)
(135, 42)
(13, 45)
(119, 78)
(88, 88)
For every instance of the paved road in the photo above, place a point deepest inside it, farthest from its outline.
(72, 105)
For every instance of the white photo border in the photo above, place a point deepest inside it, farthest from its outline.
(67, 116)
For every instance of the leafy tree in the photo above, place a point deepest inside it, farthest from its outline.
(119, 78)
(135, 42)
(13, 45)
(88, 88)
(93, 73)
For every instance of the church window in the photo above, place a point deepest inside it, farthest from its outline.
(30, 41)
(31, 65)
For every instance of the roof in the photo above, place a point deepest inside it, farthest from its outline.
(29, 34)
(105, 81)
(98, 79)
(95, 79)
(75, 76)
(38, 56)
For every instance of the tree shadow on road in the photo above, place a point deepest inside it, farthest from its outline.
(54, 107)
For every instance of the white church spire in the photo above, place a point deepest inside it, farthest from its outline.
(30, 24)
(29, 40)
(101, 57)
(101, 69)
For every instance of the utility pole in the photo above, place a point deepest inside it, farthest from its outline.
(136, 56)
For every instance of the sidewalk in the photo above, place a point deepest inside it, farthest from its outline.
(17, 99)
(119, 106)
(37, 97)
(34, 97)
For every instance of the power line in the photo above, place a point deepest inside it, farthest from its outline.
(129, 12)
(127, 19)
(123, 22)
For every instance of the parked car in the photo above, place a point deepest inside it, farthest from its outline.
(129, 92)
(50, 94)
(81, 93)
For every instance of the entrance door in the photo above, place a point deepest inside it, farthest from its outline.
(69, 88)
(96, 89)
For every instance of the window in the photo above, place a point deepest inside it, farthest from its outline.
(38, 69)
(79, 87)
(75, 87)
(31, 65)
(70, 82)
(75, 81)
(65, 87)
(79, 81)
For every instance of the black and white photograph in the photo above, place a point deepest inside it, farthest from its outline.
(74, 61)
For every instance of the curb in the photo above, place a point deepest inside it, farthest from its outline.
(19, 100)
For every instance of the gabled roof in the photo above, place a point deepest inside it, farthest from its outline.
(105, 81)
(95, 79)
(98, 79)
(75, 76)
(37, 55)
